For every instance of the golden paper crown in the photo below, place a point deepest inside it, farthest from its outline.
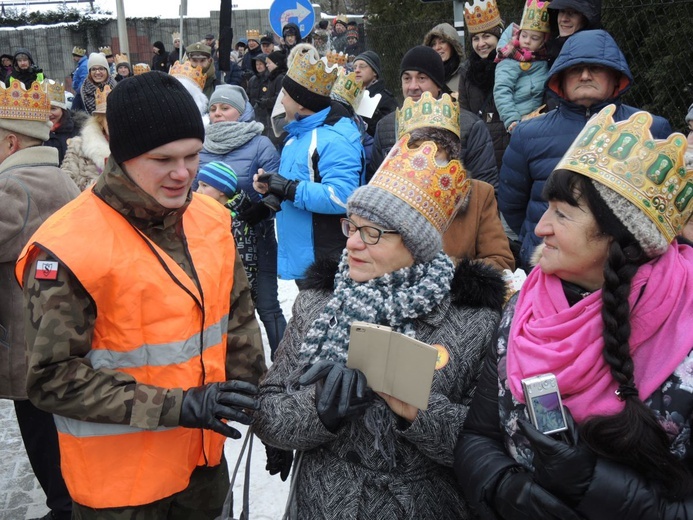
(100, 97)
(334, 58)
(348, 87)
(535, 17)
(55, 92)
(648, 172)
(121, 58)
(140, 68)
(78, 51)
(106, 51)
(318, 77)
(481, 15)
(175, 36)
(252, 34)
(428, 111)
(414, 176)
(188, 70)
(341, 18)
(27, 105)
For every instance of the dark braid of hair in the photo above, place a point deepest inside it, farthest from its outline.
(634, 436)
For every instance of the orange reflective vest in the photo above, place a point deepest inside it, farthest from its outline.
(152, 322)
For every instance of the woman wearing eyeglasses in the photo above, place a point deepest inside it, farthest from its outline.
(368, 455)
(97, 78)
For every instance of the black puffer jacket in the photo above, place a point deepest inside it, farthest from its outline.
(477, 147)
(475, 93)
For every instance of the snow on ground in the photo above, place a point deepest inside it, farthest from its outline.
(267, 493)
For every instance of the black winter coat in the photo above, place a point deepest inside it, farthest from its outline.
(58, 138)
(475, 93)
(160, 61)
(476, 155)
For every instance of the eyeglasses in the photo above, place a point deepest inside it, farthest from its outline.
(370, 235)
(98, 69)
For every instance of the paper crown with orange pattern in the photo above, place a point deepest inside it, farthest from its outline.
(413, 194)
(101, 99)
(317, 77)
(121, 58)
(106, 51)
(16, 102)
(348, 88)
(481, 16)
(252, 34)
(535, 16)
(188, 70)
(428, 112)
(649, 173)
(55, 92)
(140, 68)
(336, 58)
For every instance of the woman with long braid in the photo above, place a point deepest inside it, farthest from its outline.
(608, 311)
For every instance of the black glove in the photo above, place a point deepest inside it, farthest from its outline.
(205, 406)
(564, 469)
(254, 213)
(518, 497)
(279, 461)
(279, 186)
(340, 392)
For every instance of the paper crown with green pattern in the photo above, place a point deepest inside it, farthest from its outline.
(535, 17)
(649, 173)
(428, 112)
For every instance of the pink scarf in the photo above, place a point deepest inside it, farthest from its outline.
(547, 335)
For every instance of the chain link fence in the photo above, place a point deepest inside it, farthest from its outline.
(653, 35)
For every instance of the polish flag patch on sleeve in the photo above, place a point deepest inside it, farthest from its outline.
(46, 270)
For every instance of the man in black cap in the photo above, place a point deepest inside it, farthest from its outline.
(367, 70)
(267, 44)
(141, 330)
(422, 70)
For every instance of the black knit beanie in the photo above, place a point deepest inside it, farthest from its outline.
(424, 59)
(304, 97)
(372, 59)
(148, 111)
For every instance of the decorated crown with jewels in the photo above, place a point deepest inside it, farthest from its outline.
(252, 34)
(16, 102)
(78, 51)
(121, 58)
(188, 70)
(428, 111)
(55, 92)
(347, 87)
(106, 51)
(413, 175)
(535, 17)
(140, 68)
(316, 76)
(101, 99)
(648, 172)
(481, 15)
(336, 58)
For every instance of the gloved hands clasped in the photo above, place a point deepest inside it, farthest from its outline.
(340, 392)
(279, 189)
(564, 469)
(279, 461)
(205, 406)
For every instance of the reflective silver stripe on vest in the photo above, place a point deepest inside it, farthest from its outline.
(90, 429)
(161, 354)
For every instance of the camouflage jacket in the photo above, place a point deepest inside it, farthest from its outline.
(60, 322)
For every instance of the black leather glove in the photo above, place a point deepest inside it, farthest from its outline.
(279, 186)
(340, 392)
(564, 469)
(205, 406)
(254, 214)
(279, 461)
(518, 497)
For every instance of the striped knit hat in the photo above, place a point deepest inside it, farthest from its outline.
(220, 176)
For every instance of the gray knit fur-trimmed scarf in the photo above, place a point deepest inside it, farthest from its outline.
(395, 299)
(223, 137)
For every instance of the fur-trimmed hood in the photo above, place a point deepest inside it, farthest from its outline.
(475, 284)
(447, 33)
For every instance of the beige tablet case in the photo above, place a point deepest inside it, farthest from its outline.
(393, 363)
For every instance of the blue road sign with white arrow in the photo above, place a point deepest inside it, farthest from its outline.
(299, 12)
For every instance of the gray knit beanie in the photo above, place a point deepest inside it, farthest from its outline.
(390, 212)
(231, 95)
(148, 111)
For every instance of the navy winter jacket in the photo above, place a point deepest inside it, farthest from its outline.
(538, 144)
